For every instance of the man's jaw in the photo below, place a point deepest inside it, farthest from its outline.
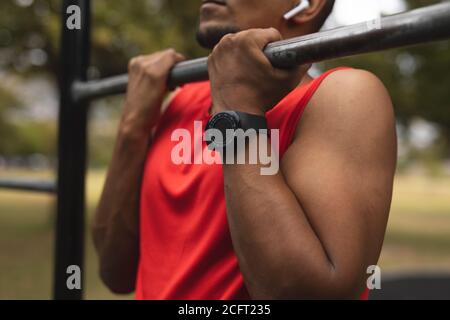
(214, 23)
(210, 36)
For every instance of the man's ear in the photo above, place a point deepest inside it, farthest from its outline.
(309, 14)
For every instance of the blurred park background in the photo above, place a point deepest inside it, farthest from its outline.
(418, 237)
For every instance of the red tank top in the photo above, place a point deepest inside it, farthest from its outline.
(185, 244)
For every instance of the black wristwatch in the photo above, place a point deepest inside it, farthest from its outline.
(231, 121)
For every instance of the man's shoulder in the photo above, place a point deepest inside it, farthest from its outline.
(347, 94)
(349, 101)
(351, 83)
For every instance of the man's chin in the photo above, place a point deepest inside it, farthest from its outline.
(209, 36)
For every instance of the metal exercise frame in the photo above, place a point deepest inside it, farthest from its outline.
(418, 26)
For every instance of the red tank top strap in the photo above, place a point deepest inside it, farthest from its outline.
(287, 114)
(312, 88)
(315, 84)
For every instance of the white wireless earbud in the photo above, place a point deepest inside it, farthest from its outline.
(304, 4)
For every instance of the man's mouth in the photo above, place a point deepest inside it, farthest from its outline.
(218, 2)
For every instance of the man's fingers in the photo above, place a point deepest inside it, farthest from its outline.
(179, 58)
(273, 35)
(171, 53)
(164, 60)
(173, 56)
(249, 38)
(262, 37)
(169, 59)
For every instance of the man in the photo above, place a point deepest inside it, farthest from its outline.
(193, 230)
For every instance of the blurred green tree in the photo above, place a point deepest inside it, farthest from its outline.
(417, 77)
(8, 133)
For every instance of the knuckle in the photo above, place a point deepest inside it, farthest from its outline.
(274, 32)
(170, 52)
(135, 63)
(228, 40)
(132, 63)
(168, 56)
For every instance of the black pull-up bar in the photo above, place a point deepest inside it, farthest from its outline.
(422, 25)
(41, 186)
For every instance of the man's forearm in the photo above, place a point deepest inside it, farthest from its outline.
(279, 253)
(116, 224)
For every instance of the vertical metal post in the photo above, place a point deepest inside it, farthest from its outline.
(69, 244)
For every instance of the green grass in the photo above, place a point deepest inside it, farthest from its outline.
(26, 244)
(418, 236)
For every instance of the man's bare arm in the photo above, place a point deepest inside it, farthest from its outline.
(311, 230)
(116, 223)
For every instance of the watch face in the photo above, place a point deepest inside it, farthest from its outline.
(221, 122)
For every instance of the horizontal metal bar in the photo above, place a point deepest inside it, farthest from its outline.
(422, 25)
(99, 88)
(28, 185)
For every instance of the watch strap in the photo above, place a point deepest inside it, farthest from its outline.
(252, 121)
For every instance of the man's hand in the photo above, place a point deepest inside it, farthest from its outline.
(243, 79)
(146, 89)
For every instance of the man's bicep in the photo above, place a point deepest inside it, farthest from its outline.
(341, 165)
